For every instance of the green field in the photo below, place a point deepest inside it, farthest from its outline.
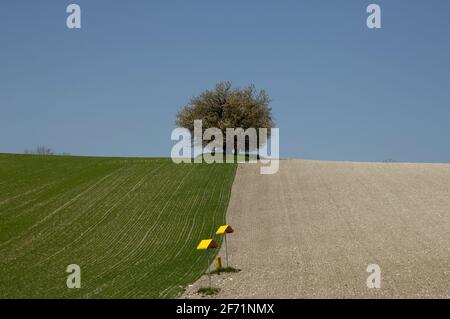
(131, 224)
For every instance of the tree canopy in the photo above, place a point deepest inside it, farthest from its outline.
(228, 107)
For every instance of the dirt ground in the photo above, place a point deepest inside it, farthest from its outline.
(312, 229)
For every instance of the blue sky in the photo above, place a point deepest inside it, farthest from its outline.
(340, 91)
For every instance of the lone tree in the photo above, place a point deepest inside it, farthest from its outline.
(228, 107)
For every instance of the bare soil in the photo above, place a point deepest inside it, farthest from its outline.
(311, 230)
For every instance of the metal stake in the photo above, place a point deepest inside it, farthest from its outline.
(209, 270)
(226, 248)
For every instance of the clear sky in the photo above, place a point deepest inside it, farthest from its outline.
(340, 91)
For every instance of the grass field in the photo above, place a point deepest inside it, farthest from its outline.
(132, 225)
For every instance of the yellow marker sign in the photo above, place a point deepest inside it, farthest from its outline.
(225, 229)
(206, 244)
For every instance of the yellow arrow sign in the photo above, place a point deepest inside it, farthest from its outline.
(225, 229)
(206, 244)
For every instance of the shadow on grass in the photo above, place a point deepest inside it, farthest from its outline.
(208, 291)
